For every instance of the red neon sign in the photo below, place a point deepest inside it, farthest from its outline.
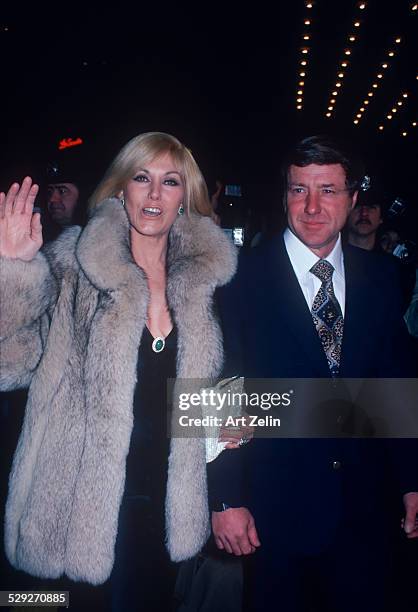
(69, 142)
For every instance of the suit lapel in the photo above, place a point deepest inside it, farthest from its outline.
(290, 308)
(356, 292)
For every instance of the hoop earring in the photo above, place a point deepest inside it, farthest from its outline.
(180, 210)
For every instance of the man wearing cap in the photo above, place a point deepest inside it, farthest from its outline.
(64, 192)
(364, 222)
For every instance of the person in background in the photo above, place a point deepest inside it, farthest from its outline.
(365, 220)
(66, 191)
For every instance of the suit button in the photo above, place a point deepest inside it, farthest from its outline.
(336, 465)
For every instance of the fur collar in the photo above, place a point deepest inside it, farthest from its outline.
(199, 252)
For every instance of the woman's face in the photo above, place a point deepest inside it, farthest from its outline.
(153, 196)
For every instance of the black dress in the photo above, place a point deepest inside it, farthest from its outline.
(143, 577)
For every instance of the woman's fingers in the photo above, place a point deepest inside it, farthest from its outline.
(20, 198)
(232, 445)
(22, 195)
(36, 227)
(30, 200)
(10, 198)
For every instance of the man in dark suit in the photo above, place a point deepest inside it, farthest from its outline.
(301, 306)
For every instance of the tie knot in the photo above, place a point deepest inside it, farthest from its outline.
(323, 270)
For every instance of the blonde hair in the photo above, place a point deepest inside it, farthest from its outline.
(142, 150)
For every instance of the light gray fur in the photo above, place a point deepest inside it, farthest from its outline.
(71, 324)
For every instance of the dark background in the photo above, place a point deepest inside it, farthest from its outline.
(221, 77)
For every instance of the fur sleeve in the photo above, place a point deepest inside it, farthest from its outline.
(28, 291)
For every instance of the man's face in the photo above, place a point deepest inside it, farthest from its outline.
(318, 204)
(62, 200)
(364, 220)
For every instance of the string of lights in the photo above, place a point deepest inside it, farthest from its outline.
(305, 49)
(411, 125)
(344, 63)
(384, 66)
(396, 108)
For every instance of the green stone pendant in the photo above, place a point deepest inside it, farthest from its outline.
(158, 345)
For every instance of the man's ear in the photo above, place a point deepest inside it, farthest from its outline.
(354, 200)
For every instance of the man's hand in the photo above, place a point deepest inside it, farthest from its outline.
(410, 522)
(234, 531)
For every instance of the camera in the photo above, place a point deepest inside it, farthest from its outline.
(406, 251)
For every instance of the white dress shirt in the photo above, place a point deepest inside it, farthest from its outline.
(302, 260)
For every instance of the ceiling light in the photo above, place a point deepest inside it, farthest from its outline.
(302, 74)
(414, 123)
(301, 83)
(355, 121)
(404, 95)
(332, 100)
(307, 22)
(398, 40)
(299, 107)
(404, 133)
(380, 76)
(399, 103)
(335, 93)
(344, 64)
(330, 108)
(394, 110)
(358, 115)
(356, 24)
(299, 100)
(380, 127)
(370, 94)
(305, 51)
(340, 75)
(352, 38)
(303, 63)
(306, 37)
(374, 85)
(328, 115)
(389, 116)
(362, 5)
(347, 52)
(300, 92)
(365, 102)
(362, 109)
(384, 65)
(391, 53)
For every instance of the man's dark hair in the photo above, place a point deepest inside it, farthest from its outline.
(322, 150)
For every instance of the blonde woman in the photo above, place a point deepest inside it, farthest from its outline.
(94, 324)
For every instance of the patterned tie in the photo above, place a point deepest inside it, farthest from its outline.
(327, 315)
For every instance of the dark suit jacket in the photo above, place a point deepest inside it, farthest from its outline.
(269, 333)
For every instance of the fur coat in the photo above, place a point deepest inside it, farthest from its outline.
(71, 324)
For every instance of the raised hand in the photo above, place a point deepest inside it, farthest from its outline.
(20, 229)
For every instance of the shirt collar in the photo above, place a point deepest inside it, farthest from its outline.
(302, 258)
